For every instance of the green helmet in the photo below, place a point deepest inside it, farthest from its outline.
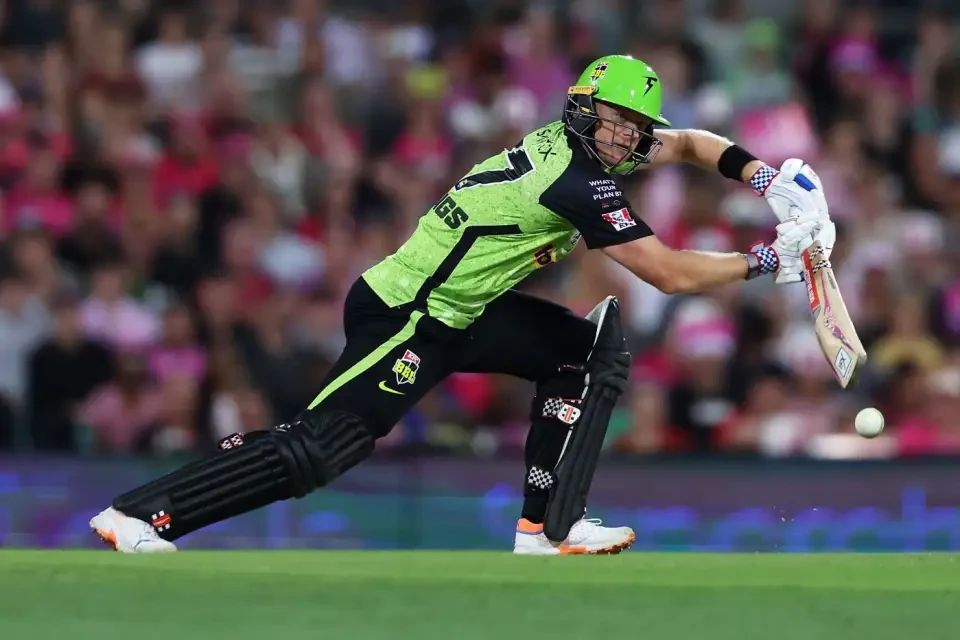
(624, 82)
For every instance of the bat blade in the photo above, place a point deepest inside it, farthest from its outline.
(834, 329)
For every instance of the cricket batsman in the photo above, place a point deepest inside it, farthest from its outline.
(445, 303)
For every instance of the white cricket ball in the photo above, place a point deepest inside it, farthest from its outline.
(869, 422)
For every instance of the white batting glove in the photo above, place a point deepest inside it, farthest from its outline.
(794, 190)
(783, 256)
(793, 238)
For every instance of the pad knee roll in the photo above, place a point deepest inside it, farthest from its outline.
(609, 361)
(320, 447)
(252, 471)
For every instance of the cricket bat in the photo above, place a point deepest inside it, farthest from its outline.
(835, 331)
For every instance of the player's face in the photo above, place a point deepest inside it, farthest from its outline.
(618, 132)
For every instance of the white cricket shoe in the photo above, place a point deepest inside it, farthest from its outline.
(587, 536)
(127, 534)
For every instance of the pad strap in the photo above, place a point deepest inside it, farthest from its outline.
(560, 396)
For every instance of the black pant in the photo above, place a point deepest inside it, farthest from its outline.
(393, 357)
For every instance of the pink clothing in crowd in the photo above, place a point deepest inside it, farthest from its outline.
(118, 423)
(187, 361)
(123, 325)
(917, 437)
(52, 212)
(547, 78)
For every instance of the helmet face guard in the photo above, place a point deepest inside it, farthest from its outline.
(580, 116)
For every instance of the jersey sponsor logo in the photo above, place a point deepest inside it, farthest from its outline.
(606, 191)
(544, 255)
(451, 213)
(544, 144)
(620, 219)
(406, 367)
(598, 71)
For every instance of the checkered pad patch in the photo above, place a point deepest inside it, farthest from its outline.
(539, 478)
(762, 179)
(552, 407)
(769, 260)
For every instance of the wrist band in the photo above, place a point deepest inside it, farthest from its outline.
(762, 179)
(732, 162)
(761, 261)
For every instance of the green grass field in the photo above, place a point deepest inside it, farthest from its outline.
(424, 595)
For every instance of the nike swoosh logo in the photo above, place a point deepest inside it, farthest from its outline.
(384, 387)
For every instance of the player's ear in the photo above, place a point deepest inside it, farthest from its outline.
(603, 110)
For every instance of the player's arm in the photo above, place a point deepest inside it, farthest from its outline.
(706, 150)
(795, 186)
(599, 210)
(678, 271)
(674, 271)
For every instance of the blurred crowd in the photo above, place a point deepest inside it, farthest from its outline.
(187, 190)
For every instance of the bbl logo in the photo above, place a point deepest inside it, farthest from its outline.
(406, 368)
(598, 71)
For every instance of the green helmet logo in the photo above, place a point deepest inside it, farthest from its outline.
(621, 81)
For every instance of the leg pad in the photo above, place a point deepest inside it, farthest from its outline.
(252, 471)
(607, 373)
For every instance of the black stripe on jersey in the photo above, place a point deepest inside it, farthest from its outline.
(519, 165)
(457, 254)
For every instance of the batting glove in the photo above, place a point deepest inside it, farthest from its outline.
(783, 257)
(793, 191)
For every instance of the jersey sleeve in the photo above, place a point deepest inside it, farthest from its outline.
(596, 207)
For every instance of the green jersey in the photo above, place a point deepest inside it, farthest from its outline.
(514, 213)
